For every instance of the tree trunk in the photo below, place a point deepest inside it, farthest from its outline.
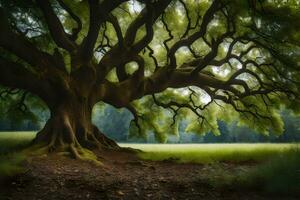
(70, 129)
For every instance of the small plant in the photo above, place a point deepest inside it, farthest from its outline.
(10, 165)
(280, 174)
(10, 156)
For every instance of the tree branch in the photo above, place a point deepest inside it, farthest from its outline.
(56, 29)
(98, 15)
(15, 75)
(22, 48)
(76, 30)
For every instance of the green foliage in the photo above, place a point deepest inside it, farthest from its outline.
(113, 122)
(14, 108)
(273, 23)
(154, 120)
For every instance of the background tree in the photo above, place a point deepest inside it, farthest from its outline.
(113, 122)
(163, 60)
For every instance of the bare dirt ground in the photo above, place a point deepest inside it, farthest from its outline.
(124, 176)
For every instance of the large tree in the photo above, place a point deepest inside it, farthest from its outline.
(163, 60)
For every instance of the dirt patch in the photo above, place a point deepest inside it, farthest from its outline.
(123, 177)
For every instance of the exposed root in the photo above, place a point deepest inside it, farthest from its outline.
(85, 155)
(67, 135)
(69, 150)
(105, 141)
(130, 150)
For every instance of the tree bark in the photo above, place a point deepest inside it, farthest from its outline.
(70, 128)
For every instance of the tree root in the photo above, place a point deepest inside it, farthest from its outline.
(64, 135)
(69, 150)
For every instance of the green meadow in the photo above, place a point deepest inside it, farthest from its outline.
(209, 153)
(10, 158)
(11, 141)
(269, 168)
(275, 168)
(196, 153)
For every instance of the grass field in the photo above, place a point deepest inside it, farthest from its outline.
(10, 158)
(209, 153)
(277, 169)
(10, 141)
(197, 153)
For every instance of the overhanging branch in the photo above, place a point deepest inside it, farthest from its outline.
(56, 29)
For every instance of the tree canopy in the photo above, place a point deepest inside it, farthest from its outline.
(164, 60)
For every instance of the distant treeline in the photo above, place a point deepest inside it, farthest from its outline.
(115, 123)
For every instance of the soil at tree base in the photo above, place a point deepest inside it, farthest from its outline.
(123, 176)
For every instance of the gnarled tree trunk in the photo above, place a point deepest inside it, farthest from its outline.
(70, 129)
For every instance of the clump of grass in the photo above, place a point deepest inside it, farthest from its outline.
(10, 165)
(14, 141)
(279, 175)
(10, 157)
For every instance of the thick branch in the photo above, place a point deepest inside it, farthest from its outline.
(76, 30)
(98, 15)
(191, 39)
(156, 10)
(147, 17)
(15, 75)
(21, 47)
(114, 21)
(56, 29)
